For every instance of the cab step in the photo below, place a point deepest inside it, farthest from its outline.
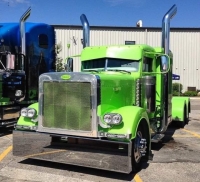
(156, 138)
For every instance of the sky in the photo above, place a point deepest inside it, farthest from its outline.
(119, 13)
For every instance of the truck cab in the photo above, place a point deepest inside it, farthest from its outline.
(145, 67)
(26, 51)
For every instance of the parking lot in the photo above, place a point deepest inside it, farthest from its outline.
(175, 159)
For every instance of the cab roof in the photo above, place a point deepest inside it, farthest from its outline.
(117, 51)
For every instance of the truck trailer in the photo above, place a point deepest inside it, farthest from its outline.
(107, 115)
(26, 51)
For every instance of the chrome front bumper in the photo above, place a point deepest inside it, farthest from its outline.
(106, 155)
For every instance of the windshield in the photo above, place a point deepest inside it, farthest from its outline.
(110, 64)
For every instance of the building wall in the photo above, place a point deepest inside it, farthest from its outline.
(184, 43)
(186, 49)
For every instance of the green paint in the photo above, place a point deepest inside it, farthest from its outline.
(178, 104)
(131, 117)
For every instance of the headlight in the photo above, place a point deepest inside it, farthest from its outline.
(18, 93)
(24, 112)
(31, 113)
(28, 112)
(112, 118)
(107, 118)
(117, 119)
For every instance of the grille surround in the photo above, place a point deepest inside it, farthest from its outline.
(76, 85)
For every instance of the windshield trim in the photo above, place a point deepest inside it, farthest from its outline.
(106, 64)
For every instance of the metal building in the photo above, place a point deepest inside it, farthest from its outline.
(184, 43)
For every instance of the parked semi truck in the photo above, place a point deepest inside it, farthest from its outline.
(107, 115)
(26, 51)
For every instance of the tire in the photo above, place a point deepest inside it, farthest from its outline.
(186, 116)
(181, 124)
(139, 147)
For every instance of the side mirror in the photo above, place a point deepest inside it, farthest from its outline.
(10, 61)
(69, 65)
(164, 63)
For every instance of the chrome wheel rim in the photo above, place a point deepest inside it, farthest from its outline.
(140, 146)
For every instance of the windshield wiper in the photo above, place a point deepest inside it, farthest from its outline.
(119, 70)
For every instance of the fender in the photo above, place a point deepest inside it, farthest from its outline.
(178, 105)
(24, 121)
(132, 115)
(187, 99)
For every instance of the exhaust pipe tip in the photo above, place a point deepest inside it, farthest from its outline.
(25, 15)
(86, 30)
(23, 18)
(166, 27)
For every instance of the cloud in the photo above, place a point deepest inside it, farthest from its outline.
(15, 2)
(20, 1)
(131, 2)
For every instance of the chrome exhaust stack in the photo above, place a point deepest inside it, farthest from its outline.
(23, 18)
(165, 44)
(86, 31)
(166, 28)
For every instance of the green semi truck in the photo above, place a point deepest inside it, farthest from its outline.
(107, 115)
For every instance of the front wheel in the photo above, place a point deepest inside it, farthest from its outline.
(139, 148)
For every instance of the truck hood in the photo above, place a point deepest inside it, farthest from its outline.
(116, 89)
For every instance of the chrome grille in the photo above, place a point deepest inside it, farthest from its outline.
(67, 105)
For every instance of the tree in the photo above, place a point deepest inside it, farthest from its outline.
(59, 61)
(177, 89)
